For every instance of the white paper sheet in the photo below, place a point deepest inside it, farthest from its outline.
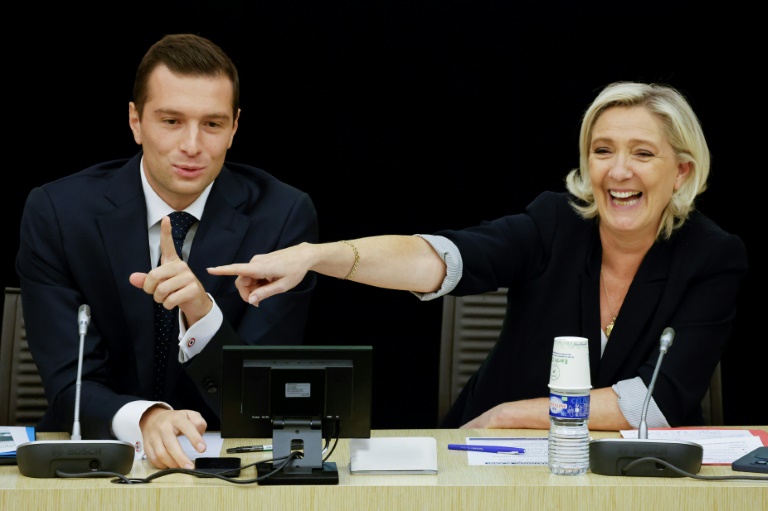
(213, 445)
(535, 451)
(393, 455)
(11, 437)
(721, 446)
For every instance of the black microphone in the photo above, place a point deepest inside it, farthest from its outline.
(609, 456)
(75, 457)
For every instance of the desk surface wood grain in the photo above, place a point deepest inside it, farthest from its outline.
(457, 486)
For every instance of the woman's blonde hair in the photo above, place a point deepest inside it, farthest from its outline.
(683, 132)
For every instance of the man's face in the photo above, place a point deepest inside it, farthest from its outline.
(185, 131)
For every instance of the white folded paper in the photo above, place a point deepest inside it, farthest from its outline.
(393, 455)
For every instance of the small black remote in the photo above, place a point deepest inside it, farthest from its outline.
(755, 461)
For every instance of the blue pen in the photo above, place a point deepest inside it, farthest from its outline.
(497, 449)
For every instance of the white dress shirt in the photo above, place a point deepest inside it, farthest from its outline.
(125, 423)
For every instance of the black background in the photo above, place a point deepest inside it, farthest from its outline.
(404, 117)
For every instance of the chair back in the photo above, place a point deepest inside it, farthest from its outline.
(470, 327)
(22, 398)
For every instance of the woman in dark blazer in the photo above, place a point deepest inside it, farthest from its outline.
(619, 257)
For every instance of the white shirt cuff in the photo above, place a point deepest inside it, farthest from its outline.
(125, 424)
(192, 341)
(451, 256)
(631, 398)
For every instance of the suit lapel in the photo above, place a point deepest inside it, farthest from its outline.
(590, 310)
(642, 300)
(124, 234)
(221, 231)
(219, 236)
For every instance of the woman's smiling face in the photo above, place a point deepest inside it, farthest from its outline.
(633, 169)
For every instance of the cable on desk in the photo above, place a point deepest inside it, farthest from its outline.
(121, 479)
(688, 474)
(199, 473)
(97, 473)
(335, 438)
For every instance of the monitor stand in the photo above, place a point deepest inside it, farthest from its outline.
(292, 434)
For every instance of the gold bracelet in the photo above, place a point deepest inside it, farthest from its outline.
(357, 259)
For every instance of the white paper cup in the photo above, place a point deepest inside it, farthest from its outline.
(570, 364)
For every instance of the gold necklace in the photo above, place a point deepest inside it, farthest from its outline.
(608, 328)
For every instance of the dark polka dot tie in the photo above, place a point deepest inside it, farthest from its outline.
(167, 321)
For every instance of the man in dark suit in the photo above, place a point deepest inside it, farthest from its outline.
(96, 237)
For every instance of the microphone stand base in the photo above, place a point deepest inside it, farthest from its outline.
(43, 458)
(609, 456)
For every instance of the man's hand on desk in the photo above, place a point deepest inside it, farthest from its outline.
(160, 428)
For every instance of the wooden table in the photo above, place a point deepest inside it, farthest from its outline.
(457, 486)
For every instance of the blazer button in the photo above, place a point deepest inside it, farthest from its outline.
(210, 386)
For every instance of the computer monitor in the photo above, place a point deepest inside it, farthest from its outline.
(299, 396)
